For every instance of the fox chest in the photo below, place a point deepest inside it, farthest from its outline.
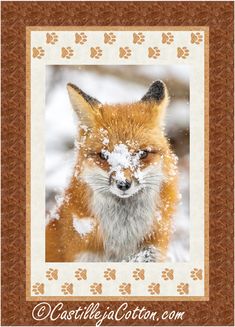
(124, 225)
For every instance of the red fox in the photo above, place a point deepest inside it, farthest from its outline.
(124, 190)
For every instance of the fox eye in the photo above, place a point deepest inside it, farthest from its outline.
(143, 154)
(103, 156)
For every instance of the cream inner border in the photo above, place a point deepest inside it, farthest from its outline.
(38, 286)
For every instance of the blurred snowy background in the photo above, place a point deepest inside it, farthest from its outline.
(117, 84)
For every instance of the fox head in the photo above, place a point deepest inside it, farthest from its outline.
(122, 147)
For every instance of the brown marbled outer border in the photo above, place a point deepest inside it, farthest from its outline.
(218, 16)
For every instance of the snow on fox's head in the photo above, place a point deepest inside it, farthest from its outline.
(122, 147)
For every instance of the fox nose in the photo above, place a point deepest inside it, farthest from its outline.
(123, 185)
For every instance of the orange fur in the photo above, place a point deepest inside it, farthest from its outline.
(139, 124)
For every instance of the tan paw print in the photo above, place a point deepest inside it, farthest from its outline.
(38, 52)
(67, 52)
(182, 52)
(154, 288)
(125, 288)
(138, 38)
(51, 38)
(167, 38)
(81, 274)
(96, 52)
(196, 38)
(138, 274)
(196, 274)
(80, 38)
(124, 52)
(52, 274)
(154, 52)
(67, 288)
(109, 38)
(110, 274)
(96, 288)
(168, 274)
(183, 288)
(38, 288)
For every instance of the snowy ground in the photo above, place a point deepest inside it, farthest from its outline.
(116, 84)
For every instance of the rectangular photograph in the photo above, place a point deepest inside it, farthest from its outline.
(117, 163)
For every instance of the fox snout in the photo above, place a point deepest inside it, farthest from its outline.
(123, 183)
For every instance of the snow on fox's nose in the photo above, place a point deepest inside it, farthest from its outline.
(122, 176)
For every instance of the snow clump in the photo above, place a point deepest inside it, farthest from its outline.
(83, 226)
(121, 158)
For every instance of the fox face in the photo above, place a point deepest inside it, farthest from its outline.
(122, 148)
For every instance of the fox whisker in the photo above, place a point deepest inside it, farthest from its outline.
(97, 186)
(100, 189)
(152, 176)
(102, 178)
(151, 187)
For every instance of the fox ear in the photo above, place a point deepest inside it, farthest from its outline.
(157, 94)
(85, 106)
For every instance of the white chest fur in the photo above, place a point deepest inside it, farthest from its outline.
(124, 222)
